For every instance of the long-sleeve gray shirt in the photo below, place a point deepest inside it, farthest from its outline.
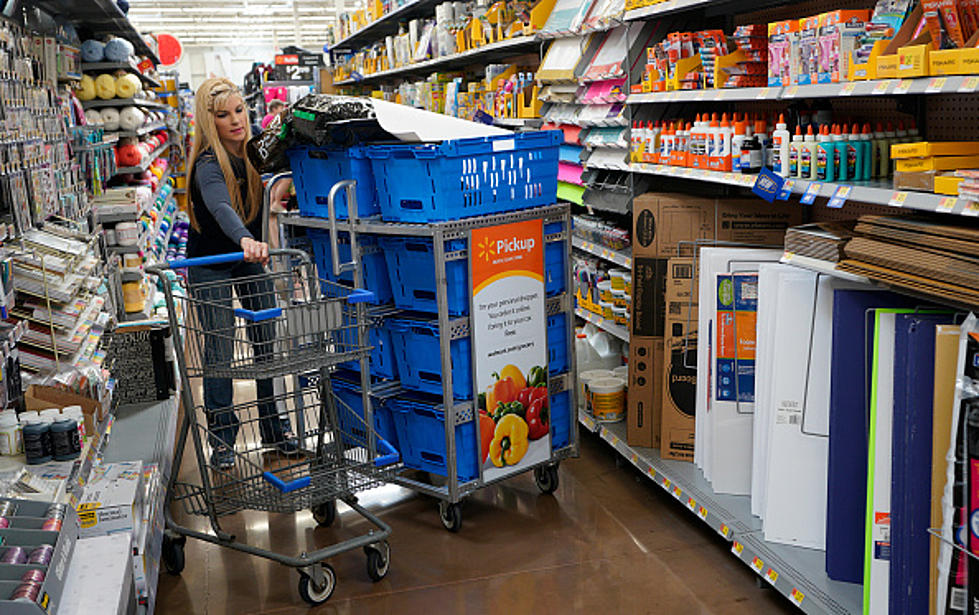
(221, 228)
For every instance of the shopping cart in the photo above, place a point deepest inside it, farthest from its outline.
(300, 449)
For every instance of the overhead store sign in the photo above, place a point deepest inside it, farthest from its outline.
(296, 66)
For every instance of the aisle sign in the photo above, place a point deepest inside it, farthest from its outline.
(296, 66)
(509, 346)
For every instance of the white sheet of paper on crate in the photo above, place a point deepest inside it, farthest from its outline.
(414, 125)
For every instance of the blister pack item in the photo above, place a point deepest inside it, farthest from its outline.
(320, 118)
(267, 150)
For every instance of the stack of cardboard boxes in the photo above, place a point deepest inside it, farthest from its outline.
(668, 230)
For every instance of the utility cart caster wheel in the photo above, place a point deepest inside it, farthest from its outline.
(546, 478)
(378, 560)
(314, 595)
(325, 514)
(451, 516)
(173, 554)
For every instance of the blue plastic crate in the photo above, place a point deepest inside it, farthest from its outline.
(383, 363)
(557, 343)
(555, 265)
(349, 392)
(373, 262)
(316, 169)
(462, 178)
(418, 353)
(411, 269)
(561, 418)
(421, 438)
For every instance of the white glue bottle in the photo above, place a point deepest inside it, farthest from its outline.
(795, 149)
(780, 147)
(736, 142)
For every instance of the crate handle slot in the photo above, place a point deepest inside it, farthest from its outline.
(415, 246)
(430, 376)
(427, 295)
(283, 486)
(423, 330)
(432, 457)
(319, 154)
(411, 204)
(429, 412)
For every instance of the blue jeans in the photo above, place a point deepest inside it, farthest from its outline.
(215, 312)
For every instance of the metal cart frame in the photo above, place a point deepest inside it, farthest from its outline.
(458, 412)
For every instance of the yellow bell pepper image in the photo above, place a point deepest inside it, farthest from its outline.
(510, 441)
(513, 372)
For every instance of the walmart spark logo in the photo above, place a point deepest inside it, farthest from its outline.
(487, 249)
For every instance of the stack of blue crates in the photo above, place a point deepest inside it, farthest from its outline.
(424, 183)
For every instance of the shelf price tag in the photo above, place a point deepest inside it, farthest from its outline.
(771, 576)
(757, 565)
(903, 86)
(737, 548)
(946, 205)
(969, 84)
(936, 85)
(614, 440)
(702, 512)
(691, 504)
(666, 483)
(676, 492)
(634, 458)
(839, 197)
(700, 95)
(791, 92)
(848, 89)
(971, 208)
(812, 191)
(881, 87)
(786, 190)
(726, 533)
(796, 597)
(897, 199)
(763, 93)
(651, 472)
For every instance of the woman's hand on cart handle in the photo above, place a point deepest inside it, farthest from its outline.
(254, 251)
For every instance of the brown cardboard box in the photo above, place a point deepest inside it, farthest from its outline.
(680, 361)
(645, 391)
(665, 225)
(40, 397)
(648, 296)
(754, 221)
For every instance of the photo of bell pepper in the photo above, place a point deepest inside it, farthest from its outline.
(513, 372)
(503, 390)
(487, 426)
(510, 441)
(537, 377)
(538, 417)
(529, 394)
(513, 407)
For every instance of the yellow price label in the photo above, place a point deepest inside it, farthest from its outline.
(757, 564)
(771, 576)
(737, 548)
(971, 208)
(634, 458)
(969, 84)
(726, 531)
(897, 199)
(702, 513)
(763, 93)
(903, 86)
(796, 597)
(651, 472)
(691, 504)
(666, 482)
(676, 492)
(792, 91)
(936, 84)
(881, 87)
(848, 89)
(947, 204)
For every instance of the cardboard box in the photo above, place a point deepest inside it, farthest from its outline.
(645, 391)
(922, 181)
(963, 61)
(680, 361)
(754, 222)
(936, 163)
(112, 501)
(888, 60)
(783, 52)
(648, 296)
(665, 225)
(838, 34)
(947, 184)
(40, 397)
(923, 149)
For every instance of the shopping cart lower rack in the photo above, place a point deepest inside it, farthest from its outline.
(296, 449)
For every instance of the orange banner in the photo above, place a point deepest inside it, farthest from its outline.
(507, 250)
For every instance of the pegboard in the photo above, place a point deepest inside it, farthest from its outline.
(953, 117)
(851, 210)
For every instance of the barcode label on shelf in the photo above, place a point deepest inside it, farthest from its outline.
(676, 492)
(969, 84)
(757, 564)
(771, 576)
(666, 482)
(737, 548)
(848, 89)
(812, 191)
(702, 512)
(651, 472)
(796, 597)
(897, 199)
(936, 85)
(791, 92)
(882, 86)
(839, 197)
(957, 599)
(726, 532)
(903, 86)
(947, 204)
(634, 458)
(691, 504)
(971, 208)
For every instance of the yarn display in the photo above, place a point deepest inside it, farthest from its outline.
(110, 118)
(118, 50)
(93, 51)
(131, 118)
(86, 88)
(128, 85)
(93, 116)
(105, 86)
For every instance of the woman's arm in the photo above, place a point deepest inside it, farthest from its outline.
(210, 182)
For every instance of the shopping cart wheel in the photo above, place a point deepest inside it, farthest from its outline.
(173, 554)
(314, 595)
(325, 514)
(451, 515)
(378, 560)
(546, 478)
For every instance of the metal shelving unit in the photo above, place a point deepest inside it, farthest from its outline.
(623, 259)
(797, 573)
(603, 323)
(462, 411)
(100, 17)
(105, 67)
(387, 24)
(148, 128)
(662, 8)
(124, 102)
(145, 164)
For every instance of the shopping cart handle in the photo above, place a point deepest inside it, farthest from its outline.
(258, 315)
(283, 486)
(203, 261)
(360, 296)
(392, 455)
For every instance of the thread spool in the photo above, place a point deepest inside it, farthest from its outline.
(37, 441)
(41, 555)
(55, 511)
(26, 592)
(14, 555)
(4, 523)
(7, 508)
(33, 576)
(126, 234)
(51, 525)
(64, 439)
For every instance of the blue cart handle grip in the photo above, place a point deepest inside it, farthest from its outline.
(258, 315)
(204, 261)
(283, 486)
(392, 455)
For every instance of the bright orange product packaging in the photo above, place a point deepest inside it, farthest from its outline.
(942, 17)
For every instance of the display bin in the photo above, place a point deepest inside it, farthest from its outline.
(373, 263)
(316, 169)
(383, 361)
(346, 387)
(418, 353)
(411, 269)
(462, 178)
(557, 344)
(561, 419)
(421, 436)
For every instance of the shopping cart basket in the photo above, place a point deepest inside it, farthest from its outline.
(302, 448)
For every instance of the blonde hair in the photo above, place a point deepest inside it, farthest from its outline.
(211, 97)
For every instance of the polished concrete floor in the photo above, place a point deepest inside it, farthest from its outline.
(607, 542)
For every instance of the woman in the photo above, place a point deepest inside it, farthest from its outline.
(225, 208)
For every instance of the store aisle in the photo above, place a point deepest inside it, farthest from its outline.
(604, 543)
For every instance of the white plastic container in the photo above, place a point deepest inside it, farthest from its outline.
(622, 371)
(606, 307)
(11, 442)
(617, 276)
(620, 315)
(585, 355)
(605, 290)
(50, 415)
(584, 378)
(608, 348)
(126, 234)
(607, 399)
(627, 282)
